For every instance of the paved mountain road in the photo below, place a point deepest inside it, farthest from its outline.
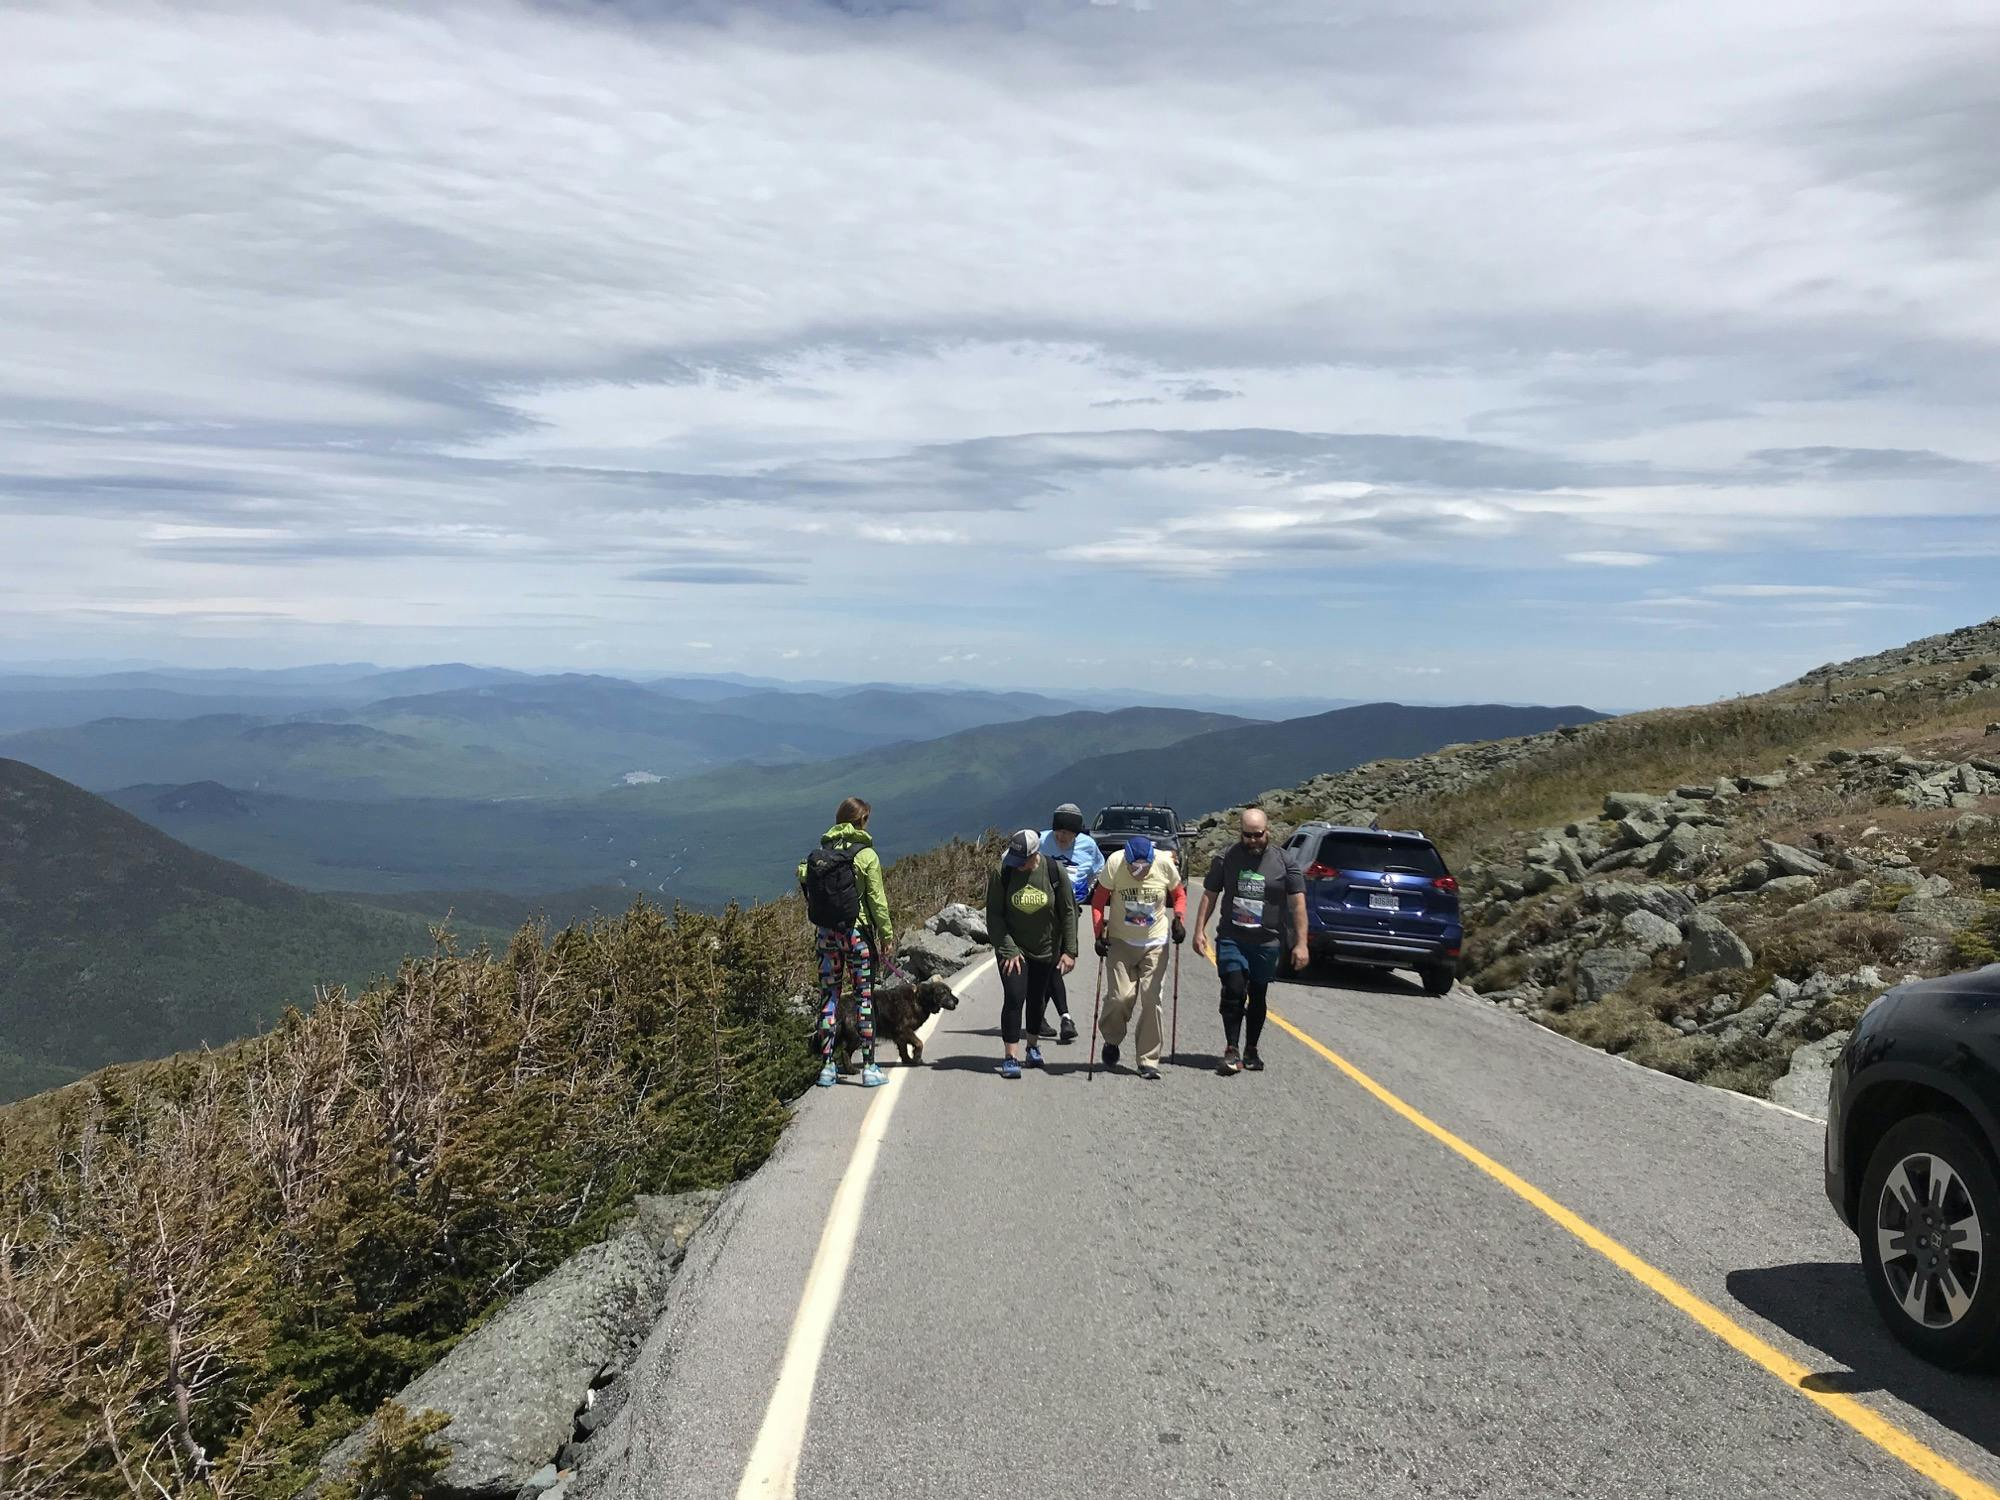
(1278, 1284)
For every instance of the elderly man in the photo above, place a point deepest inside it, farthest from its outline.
(1139, 906)
(1254, 884)
(1031, 920)
(1065, 842)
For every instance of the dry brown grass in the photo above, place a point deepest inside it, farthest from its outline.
(1799, 944)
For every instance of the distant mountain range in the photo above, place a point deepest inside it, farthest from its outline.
(706, 839)
(117, 942)
(498, 796)
(512, 737)
(736, 832)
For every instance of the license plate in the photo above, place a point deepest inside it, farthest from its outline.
(1385, 903)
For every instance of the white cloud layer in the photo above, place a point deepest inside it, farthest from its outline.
(510, 330)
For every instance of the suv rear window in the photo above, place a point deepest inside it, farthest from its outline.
(1359, 851)
(1147, 819)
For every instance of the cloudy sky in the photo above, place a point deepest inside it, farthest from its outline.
(1603, 351)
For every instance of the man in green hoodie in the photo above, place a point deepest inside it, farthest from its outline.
(1031, 920)
(849, 907)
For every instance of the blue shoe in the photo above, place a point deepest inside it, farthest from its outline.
(828, 1076)
(1009, 1068)
(871, 1077)
(1034, 1057)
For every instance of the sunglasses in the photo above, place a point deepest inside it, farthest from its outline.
(1255, 838)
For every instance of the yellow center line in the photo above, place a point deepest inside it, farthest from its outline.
(1883, 1433)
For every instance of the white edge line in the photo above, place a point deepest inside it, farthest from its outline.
(773, 1470)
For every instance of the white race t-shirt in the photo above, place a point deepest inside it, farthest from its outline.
(1142, 907)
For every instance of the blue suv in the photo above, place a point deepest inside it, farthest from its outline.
(1382, 897)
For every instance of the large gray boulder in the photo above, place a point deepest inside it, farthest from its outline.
(1942, 915)
(1570, 861)
(1912, 879)
(1712, 947)
(1794, 861)
(1618, 899)
(1685, 848)
(1754, 876)
(1640, 830)
(960, 921)
(1756, 1018)
(1605, 971)
(513, 1388)
(1806, 1083)
(1790, 887)
(935, 955)
(1623, 804)
(1649, 931)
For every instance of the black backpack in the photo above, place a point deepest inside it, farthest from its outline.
(832, 897)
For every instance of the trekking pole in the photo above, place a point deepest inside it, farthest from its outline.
(1175, 1054)
(1090, 1073)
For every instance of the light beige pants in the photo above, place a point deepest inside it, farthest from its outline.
(1136, 976)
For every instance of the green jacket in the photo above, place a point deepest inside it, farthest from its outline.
(867, 876)
(1043, 929)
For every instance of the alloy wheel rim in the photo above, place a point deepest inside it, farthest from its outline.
(1931, 1243)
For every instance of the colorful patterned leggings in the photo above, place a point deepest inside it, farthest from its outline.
(845, 951)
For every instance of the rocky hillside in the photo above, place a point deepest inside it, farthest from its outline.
(1719, 891)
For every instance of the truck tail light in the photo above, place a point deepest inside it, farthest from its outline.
(1446, 883)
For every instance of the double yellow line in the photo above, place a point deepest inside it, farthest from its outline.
(1883, 1433)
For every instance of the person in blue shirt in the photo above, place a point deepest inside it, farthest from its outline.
(1068, 845)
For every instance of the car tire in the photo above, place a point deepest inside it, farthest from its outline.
(1439, 980)
(1949, 1315)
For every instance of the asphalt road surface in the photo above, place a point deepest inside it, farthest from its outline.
(1288, 1284)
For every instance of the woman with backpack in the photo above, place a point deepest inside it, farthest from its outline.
(849, 908)
(1031, 918)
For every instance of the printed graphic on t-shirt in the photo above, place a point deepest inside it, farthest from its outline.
(1141, 914)
(1030, 898)
(1249, 907)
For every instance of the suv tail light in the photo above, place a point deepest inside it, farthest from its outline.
(1446, 883)
(1317, 871)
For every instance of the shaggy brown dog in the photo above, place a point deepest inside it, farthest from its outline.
(900, 1008)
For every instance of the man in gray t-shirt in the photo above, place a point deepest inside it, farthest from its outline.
(1262, 896)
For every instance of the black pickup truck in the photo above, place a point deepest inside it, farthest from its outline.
(1115, 826)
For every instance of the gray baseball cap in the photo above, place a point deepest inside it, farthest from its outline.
(1069, 816)
(1021, 848)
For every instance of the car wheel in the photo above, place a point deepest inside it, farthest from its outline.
(1930, 1227)
(1438, 981)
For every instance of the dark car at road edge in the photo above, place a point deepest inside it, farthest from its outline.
(1117, 823)
(1913, 1161)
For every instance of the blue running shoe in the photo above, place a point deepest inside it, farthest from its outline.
(828, 1076)
(1034, 1057)
(871, 1077)
(1009, 1068)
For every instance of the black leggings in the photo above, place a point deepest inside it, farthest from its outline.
(1237, 988)
(1025, 992)
(1058, 992)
